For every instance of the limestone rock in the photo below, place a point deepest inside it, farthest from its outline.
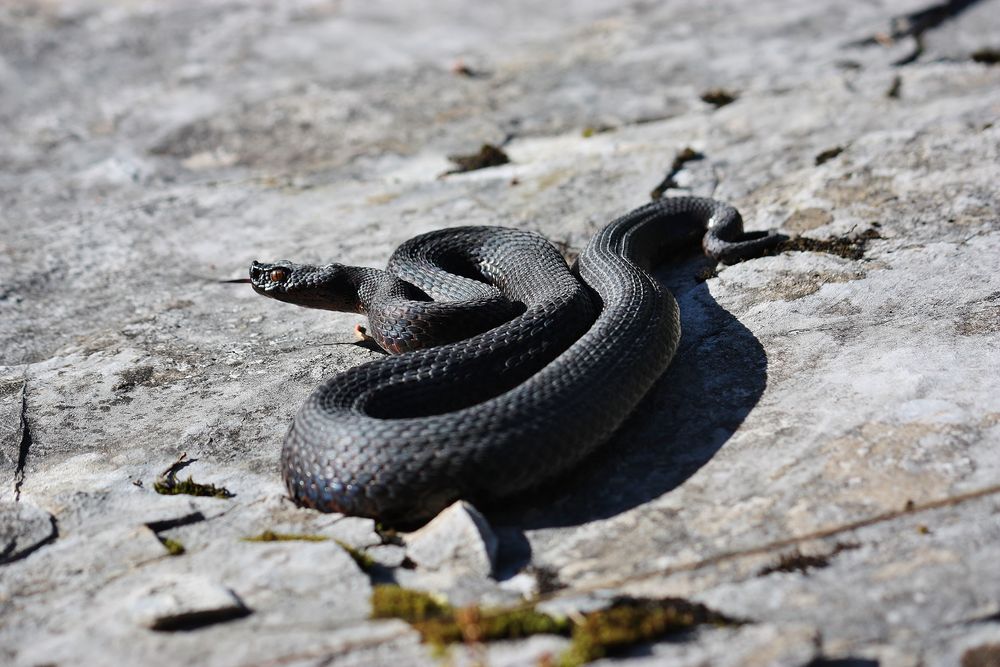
(11, 433)
(822, 454)
(458, 540)
(185, 602)
(23, 528)
(791, 645)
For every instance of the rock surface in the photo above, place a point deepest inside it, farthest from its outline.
(23, 528)
(184, 603)
(458, 539)
(821, 458)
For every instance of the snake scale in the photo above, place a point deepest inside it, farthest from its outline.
(511, 367)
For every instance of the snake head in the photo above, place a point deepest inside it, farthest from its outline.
(308, 285)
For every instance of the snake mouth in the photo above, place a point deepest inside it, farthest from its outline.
(269, 277)
(258, 277)
(256, 273)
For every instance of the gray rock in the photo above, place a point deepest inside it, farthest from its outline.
(841, 409)
(11, 434)
(570, 605)
(458, 540)
(314, 583)
(176, 603)
(790, 645)
(523, 583)
(23, 528)
(537, 650)
(388, 555)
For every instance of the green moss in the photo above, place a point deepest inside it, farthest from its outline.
(271, 536)
(388, 535)
(472, 624)
(796, 561)
(718, 97)
(631, 621)
(987, 56)
(828, 154)
(441, 624)
(625, 622)
(364, 561)
(706, 273)
(848, 247)
(171, 486)
(389, 601)
(174, 548)
(892, 92)
(488, 156)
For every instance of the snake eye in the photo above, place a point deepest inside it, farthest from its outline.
(278, 275)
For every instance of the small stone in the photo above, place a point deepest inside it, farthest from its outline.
(459, 539)
(523, 583)
(178, 602)
(575, 605)
(23, 528)
(388, 555)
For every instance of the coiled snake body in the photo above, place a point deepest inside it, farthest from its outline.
(541, 370)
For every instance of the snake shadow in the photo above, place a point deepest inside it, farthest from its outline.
(716, 378)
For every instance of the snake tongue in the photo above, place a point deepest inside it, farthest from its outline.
(237, 280)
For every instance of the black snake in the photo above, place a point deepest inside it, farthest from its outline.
(514, 366)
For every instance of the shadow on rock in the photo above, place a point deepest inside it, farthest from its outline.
(716, 378)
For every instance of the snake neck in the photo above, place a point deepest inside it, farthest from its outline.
(342, 288)
(348, 289)
(373, 287)
(357, 289)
